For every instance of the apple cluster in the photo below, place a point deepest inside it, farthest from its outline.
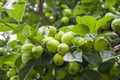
(58, 43)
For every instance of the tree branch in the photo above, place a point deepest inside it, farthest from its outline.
(6, 24)
(44, 18)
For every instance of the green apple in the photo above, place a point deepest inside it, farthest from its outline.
(73, 68)
(65, 20)
(106, 26)
(58, 59)
(89, 44)
(37, 51)
(45, 40)
(109, 14)
(115, 25)
(52, 45)
(11, 72)
(59, 35)
(67, 38)
(78, 41)
(61, 75)
(62, 48)
(51, 30)
(101, 44)
(27, 47)
(67, 12)
(14, 78)
(25, 57)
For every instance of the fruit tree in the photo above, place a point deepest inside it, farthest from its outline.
(59, 40)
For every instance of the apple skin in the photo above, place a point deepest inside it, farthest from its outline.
(62, 48)
(58, 59)
(67, 12)
(73, 68)
(67, 38)
(52, 45)
(101, 44)
(11, 72)
(25, 57)
(61, 75)
(89, 45)
(37, 51)
(52, 31)
(65, 20)
(115, 25)
(27, 47)
(59, 35)
(78, 41)
(45, 40)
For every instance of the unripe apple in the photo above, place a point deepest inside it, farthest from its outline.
(25, 57)
(73, 68)
(58, 59)
(89, 44)
(14, 78)
(11, 72)
(106, 26)
(62, 48)
(59, 35)
(52, 31)
(52, 45)
(27, 47)
(78, 41)
(67, 12)
(45, 40)
(101, 44)
(67, 38)
(65, 20)
(109, 14)
(37, 51)
(115, 25)
(61, 75)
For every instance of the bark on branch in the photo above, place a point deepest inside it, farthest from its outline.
(42, 14)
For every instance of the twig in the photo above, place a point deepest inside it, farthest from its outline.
(6, 24)
(44, 18)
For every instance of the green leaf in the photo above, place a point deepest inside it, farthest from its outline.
(27, 30)
(18, 12)
(106, 55)
(102, 21)
(12, 44)
(23, 73)
(19, 28)
(88, 21)
(92, 58)
(21, 37)
(48, 76)
(8, 59)
(80, 29)
(110, 3)
(5, 28)
(75, 56)
(106, 66)
(88, 75)
(51, 3)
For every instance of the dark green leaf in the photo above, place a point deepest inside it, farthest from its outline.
(92, 58)
(23, 73)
